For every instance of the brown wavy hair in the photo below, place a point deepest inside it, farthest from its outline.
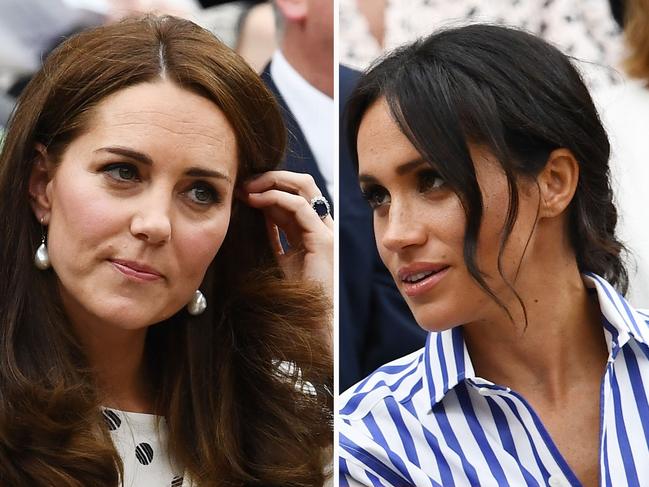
(636, 34)
(234, 416)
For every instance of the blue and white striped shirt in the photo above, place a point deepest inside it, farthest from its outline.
(428, 420)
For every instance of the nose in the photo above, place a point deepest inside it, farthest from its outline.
(151, 222)
(401, 230)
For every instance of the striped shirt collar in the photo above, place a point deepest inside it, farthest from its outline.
(447, 361)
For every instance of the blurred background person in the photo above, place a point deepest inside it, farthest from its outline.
(624, 109)
(30, 29)
(362, 31)
(248, 26)
(256, 38)
(300, 75)
(585, 30)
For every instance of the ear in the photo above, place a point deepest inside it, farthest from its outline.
(557, 182)
(293, 10)
(39, 185)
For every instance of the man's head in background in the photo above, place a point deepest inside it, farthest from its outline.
(305, 29)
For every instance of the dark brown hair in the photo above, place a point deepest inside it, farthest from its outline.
(636, 34)
(242, 386)
(519, 97)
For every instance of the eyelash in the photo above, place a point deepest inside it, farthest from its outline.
(427, 180)
(115, 172)
(214, 196)
(374, 194)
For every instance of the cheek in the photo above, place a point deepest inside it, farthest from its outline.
(81, 217)
(379, 229)
(198, 244)
(492, 232)
(450, 223)
(494, 216)
(439, 225)
(445, 224)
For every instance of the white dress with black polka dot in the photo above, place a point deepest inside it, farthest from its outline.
(141, 441)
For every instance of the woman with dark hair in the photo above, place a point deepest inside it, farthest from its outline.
(483, 158)
(151, 333)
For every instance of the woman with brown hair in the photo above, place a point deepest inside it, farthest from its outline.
(151, 333)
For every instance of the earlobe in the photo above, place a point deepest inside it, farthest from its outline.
(292, 10)
(38, 184)
(558, 182)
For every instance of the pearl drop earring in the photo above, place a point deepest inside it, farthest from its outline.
(197, 304)
(42, 257)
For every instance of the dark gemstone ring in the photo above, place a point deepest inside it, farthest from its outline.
(321, 206)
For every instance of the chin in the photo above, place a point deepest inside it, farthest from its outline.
(125, 320)
(436, 317)
(125, 314)
(139, 317)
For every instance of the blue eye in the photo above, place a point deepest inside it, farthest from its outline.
(122, 172)
(376, 196)
(203, 194)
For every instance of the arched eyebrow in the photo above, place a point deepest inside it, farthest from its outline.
(409, 166)
(367, 179)
(197, 172)
(402, 169)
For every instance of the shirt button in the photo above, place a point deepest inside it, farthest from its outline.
(558, 481)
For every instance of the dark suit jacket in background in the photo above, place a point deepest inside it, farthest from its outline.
(299, 157)
(376, 325)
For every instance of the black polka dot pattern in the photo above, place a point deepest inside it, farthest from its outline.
(112, 419)
(144, 453)
(177, 481)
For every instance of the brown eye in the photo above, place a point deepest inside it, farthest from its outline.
(376, 196)
(428, 180)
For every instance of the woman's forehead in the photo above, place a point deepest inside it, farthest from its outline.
(163, 121)
(380, 140)
(164, 103)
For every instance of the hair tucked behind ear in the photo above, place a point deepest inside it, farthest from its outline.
(520, 98)
(243, 386)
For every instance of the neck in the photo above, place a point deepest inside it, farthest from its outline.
(116, 355)
(313, 61)
(561, 346)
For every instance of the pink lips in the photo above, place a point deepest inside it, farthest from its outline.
(431, 274)
(135, 270)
